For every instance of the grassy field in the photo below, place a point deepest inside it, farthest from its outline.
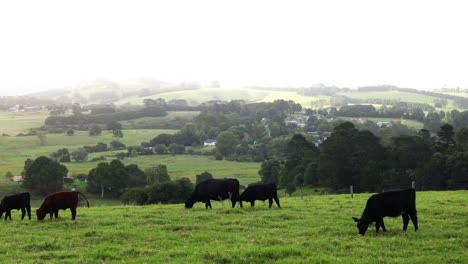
(184, 166)
(177, 118)
(15, 150)
(13, 123)
(396, 95)
(317, 229)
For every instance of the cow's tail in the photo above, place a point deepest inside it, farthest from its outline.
(87, 202)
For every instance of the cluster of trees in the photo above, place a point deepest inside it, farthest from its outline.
(104, 118)
(43, 176)
(358, 157)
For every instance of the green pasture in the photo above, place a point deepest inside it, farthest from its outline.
(172, 117)
(395, 95)
(13, 123)
(182, 166)
(15, 150)
(196, 97)
(316, 229)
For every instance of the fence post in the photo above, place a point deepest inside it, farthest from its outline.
(351, 190)
(413, 184)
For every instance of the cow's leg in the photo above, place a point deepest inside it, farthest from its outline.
(23, 213)
(252, 203)
(380, 223)
(56, 214)
(240, 204)
(29, 212)
(9, 214)
(405, 221)
(233, 203)
(51, 214)
(414, 219)
(73, 212)
(383, 225)
(277, 201)
(208, 204)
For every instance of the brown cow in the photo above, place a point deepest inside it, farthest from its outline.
(59, 200)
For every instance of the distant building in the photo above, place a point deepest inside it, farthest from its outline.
(384, 124)
(18, 178)
(209, 142)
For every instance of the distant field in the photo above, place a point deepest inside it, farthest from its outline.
(171, 119)
(13, 123)
(396, 95)
(196, 97)
(317, 229)
(184, 166)
(15, 150)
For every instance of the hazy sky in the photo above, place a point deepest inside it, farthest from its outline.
(420, 44)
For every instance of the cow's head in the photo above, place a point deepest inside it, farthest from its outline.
(189, 203)
(362, 225)
(40, 214)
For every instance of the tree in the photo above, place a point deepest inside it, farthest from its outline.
(44, 176)
(445, 139)
(226, 143)
(95, 130)
(203, 177)
(79, 155)
(111, 176)
(76, 109)
(165, 139)
(136, 177)
(117, 133)
(42, 136)
(269, 171)
(432, 122)
(462, 139)
(70, 132)
(176, 149)
(116, 145)
(61, 155)
(113, 125)
(160, 149)
(9, 175)
(157, 174)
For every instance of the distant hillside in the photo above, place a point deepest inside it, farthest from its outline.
(198, 96)
(105, 91)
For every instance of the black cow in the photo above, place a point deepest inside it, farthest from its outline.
(17, 201)
(260, 192)
(214, 189)
(393, 204)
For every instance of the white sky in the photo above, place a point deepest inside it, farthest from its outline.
(419, 44)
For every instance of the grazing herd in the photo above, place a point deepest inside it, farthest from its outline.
(378, 206)
(51, 205)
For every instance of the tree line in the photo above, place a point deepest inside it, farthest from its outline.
(358, 157)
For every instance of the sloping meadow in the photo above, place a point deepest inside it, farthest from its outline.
(316, 229)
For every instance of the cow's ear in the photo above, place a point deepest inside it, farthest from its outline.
(356, 220)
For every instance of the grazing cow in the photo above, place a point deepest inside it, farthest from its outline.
(59, 200)
(260, 192)
(17, 201)
(214, 189)
(393, 204)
